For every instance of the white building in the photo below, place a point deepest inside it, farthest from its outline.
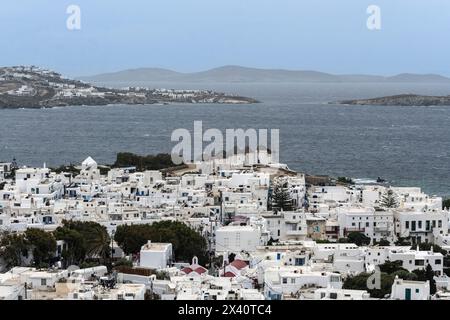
(410, 290)
(234, 239)
(156, 255)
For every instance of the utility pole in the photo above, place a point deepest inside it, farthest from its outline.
(112, 247)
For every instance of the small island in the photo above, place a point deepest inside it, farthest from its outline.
(402, 100)
(34, 87)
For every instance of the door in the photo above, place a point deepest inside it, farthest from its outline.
(407, 294)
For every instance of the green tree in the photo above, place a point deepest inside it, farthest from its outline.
(391, 267)
(383, 243)
(446, 203)
(359, 282)
(358, 238)
(403, 242)
(281, 198)
(405, 275)
(42, 244)
(132, 237)
(427, 275)
(13, 249)
(389, 199)
(186, 242)
(83, 240)
(74, 251)
(97, 240)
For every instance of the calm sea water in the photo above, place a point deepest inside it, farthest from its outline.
(409, 146)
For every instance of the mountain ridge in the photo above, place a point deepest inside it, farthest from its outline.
(235, 73)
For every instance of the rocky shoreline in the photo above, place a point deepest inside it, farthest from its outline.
(33, 87)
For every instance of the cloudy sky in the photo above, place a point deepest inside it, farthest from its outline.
(194, 35)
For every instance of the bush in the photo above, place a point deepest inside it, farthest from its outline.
(345, 180)
(446, 203)
(358, 238)
(149, 162)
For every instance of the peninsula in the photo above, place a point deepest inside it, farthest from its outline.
(402, 100)
(34, 87)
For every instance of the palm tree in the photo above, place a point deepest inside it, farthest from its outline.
(98, 242)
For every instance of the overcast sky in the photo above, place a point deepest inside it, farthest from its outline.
(194, 35)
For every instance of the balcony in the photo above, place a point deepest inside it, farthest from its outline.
(381, 228)
(349, 230)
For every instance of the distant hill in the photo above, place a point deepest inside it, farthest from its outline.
(141, 74)
(244, 74)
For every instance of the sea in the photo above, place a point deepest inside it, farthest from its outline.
(407, 146)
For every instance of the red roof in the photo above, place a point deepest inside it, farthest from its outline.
(229, 274)
(187, 270)
(200, 270)
(239, 264)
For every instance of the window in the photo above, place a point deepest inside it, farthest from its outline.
(417, 290)
(406, 224)
(420, 224)
(285, 280)
(419, 263)
(413, 225)
(333, 295)
(43, 282)
(440, 224)
(335, 279)
(438, 261)
(367, 224)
